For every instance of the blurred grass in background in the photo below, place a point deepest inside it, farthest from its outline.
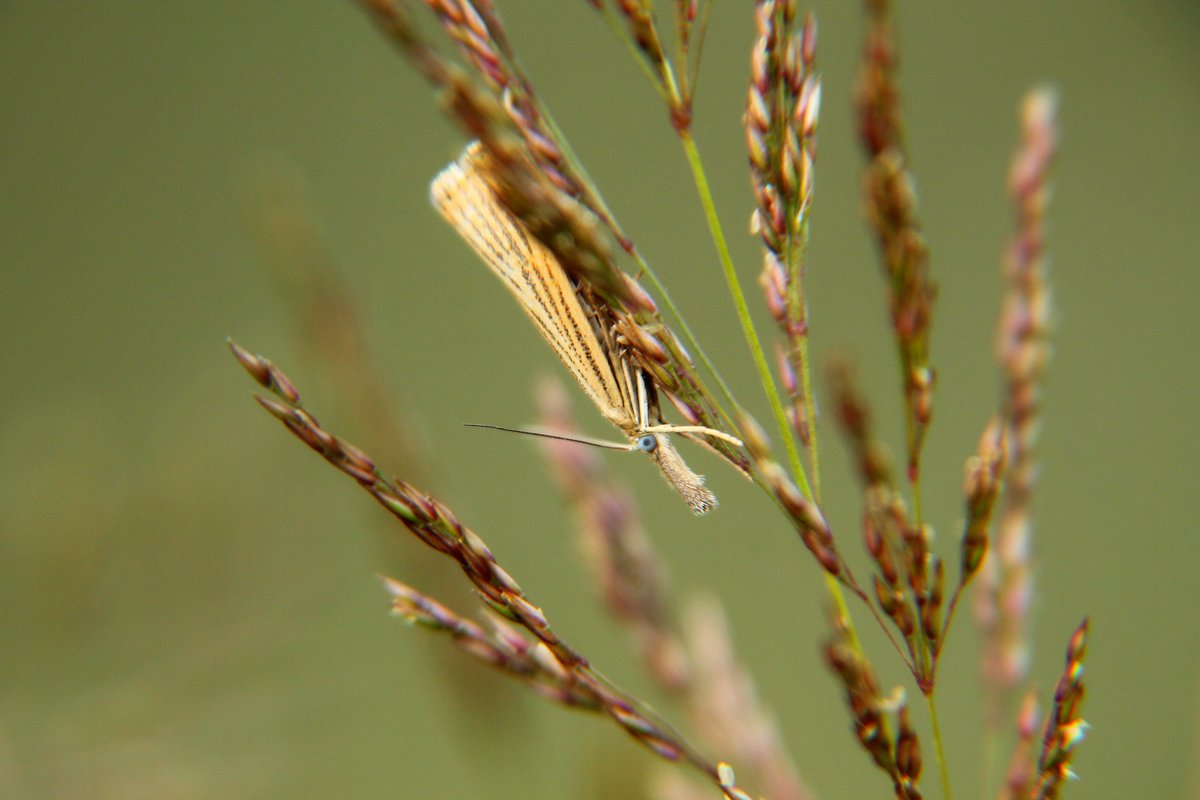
(187, 601)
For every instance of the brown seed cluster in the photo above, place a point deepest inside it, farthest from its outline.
(981, 487)
(898, 755)
(503, 647)
(1065, 728)
(804, 514)
(495, 103)
(910, 580)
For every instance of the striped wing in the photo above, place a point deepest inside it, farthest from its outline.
(462, 194)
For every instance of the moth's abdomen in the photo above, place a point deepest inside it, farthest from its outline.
(689, 485)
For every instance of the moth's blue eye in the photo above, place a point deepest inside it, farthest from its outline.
(647, 443)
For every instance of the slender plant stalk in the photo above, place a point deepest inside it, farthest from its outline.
(939, 749)
(810, 411)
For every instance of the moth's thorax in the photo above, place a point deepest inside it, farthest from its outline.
(628, 425)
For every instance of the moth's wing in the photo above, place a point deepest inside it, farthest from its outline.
(462, 194)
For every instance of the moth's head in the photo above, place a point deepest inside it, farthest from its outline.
(647, 442)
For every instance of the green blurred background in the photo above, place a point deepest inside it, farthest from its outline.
(188, 605)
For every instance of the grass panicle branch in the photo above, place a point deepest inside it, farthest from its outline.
(494, 102)
(693, 17)
(725, 707)
(560, 671)
(1022, 349)
(804, 514)
(891, 211)
(856, 424)
(635, 24)
(781, 122)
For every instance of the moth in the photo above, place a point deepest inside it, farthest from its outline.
(465, 194)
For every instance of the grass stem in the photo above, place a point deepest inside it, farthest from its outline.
(939, 751)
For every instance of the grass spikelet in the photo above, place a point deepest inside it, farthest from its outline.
(1065, 728)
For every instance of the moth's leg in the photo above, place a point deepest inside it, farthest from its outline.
(695, 429)
(643, 404)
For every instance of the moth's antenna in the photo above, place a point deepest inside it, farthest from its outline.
(562, 437)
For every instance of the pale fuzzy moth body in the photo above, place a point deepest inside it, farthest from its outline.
(464, 194)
